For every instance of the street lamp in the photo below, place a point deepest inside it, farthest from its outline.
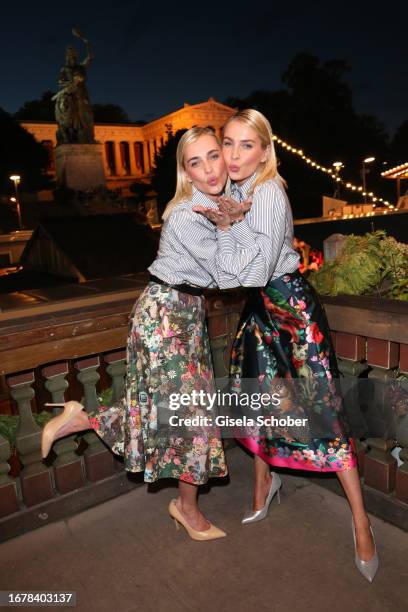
(16, 178)
(364, 172)
(338, 165)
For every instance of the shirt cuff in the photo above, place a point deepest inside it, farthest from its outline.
(243, 234)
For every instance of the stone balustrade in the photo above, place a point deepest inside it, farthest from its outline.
(73, 349)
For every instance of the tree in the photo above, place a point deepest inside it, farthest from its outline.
(21, 154)
(43, 109)
(38, 110)
(399, 145)
(109, 113)
(315, 112)
(163, 178)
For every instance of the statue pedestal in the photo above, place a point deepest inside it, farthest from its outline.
(80, 166)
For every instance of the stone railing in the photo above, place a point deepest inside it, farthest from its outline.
(371, 340)
(73, 349)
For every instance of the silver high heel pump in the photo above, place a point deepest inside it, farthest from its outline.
(367, 568)
(252, 516)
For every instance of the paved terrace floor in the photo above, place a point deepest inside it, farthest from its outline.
(126, 555)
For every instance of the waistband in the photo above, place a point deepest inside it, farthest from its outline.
(184, 288)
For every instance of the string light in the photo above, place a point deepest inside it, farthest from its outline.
(403, 168)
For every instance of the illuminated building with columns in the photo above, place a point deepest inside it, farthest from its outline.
(129, 150)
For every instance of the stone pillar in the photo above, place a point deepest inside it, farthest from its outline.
(133, 169)
(8, 489)
(401, 483)
(68, 468)
(117, 371)
(118, 159)
(351, 353)
(98, 459)
(105, 161)
(146, 157)
(35, 478)
(380, 465)
(80, 166)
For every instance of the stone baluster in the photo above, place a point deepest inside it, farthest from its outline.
(117, 370)
(36, 477)
(217, 330)
(98, 459)
(380, 465)
(68, 468)
(8, 489)
(351, 353)
(401, 480)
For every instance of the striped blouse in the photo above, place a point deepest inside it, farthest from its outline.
(188, 249)
(254, 250)
(266, 232)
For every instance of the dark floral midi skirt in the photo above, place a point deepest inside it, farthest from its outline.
(284, 334)
(168, 352)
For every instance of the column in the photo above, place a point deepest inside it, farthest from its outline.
(133, 168)
(105, 161)
(146, 157)
(118, 159)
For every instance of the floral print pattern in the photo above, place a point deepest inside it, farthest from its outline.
(168, 351)
(284, 333)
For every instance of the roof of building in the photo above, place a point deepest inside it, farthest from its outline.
(400, 172)
(90, 247)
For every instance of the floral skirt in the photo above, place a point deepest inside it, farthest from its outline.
(284, 334)
(168, 352)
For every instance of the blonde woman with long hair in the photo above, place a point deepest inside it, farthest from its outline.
(283, 333)
(168, 351)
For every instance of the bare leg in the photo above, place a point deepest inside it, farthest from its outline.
(350, 482)
(262, 485)
(188, 506)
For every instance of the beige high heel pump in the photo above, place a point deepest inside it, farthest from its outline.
(209, 534)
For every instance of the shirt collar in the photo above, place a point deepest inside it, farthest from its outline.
(198, 197)
(245, 188)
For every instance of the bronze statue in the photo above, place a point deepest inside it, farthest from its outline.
(73, 110)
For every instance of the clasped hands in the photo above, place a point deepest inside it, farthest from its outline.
(229, 211)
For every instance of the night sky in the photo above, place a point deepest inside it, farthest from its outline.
(151, 57)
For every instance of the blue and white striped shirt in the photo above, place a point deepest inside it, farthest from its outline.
(254, 250)
(188, 248)
(266, 233)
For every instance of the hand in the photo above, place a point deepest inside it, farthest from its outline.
(235, 210)
(221, 219)
(77, 32)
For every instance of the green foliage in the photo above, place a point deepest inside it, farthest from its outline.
(20, 154)
(9, 423)
(38, 110)
(366, 265)
(109, 113)
(164, 173)
(105, 397)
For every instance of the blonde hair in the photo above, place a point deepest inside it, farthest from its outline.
(184, 189)
(258, 122)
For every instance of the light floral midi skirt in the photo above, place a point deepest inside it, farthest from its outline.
(168, 352)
